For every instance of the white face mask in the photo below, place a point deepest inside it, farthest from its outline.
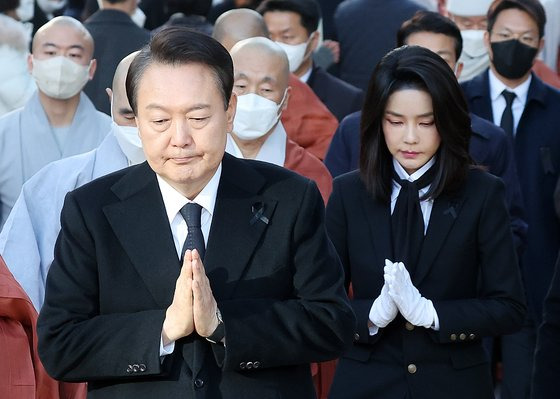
(255, 116)
(50, 6)
(129, 140)
(295, 53)
(474, 56)
(60, 78)
(26, 10)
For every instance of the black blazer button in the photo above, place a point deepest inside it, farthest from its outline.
(198, 383)
(129, 368)
(242, 365)
(256, 364)
(249, 365)
(453, 337)
(356, 337)
(142, 367)
(135, 368)
(462, 336)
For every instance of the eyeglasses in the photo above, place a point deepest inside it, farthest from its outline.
(525, 38)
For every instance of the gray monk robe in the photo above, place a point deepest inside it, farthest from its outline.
(28, 142)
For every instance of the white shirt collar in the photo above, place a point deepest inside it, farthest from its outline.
(174, 201)
(305, 77)
(273, 149)
(416, 175)
(497, 87)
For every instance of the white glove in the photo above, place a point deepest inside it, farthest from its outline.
(418, 310)
(384, 310)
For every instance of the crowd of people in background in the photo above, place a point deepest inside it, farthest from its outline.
(431, 129)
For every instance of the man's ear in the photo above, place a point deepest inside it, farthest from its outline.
(30, 63)
(287, 99)
(92, 68)
(458, 69)
(486, 39)
(230, 112)
(314, 41)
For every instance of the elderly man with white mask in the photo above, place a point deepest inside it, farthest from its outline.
(58, 121)
(28, 237)
(261, 73)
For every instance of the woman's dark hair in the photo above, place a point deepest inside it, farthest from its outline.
(176, 45)
(532, 7)
(413, 67)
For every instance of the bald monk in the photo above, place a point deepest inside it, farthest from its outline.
(22, 375)
(28, 237)
(261, 75)
(58, 120)
(307, 120)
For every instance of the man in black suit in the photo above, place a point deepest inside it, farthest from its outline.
(511, 96)
(260, 292)
(293, 26)
(115, 36)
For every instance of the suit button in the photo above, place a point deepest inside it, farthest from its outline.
(249, 365)
(142, 367)
(462, 336)
(129, 368)
(356, 337)
(411, 368)
(453, 337)
(242, 365)
(409, 326)
(198, 383)
(256, 364)
(472, 336)
(135, 368)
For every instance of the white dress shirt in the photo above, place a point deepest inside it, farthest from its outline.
(425, 206)
(499, 102)
(173, 202)
(305, 77)
(273, 149)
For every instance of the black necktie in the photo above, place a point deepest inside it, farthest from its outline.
(195, 240)
(407, 222)
(507, 117)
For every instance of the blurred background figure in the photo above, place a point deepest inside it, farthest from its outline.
(261, 74)
(366, 31)
(58, 120)
(471, 17)
(16, 83)
(294, 26)
(115, 36)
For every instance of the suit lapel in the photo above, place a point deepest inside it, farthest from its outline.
(444, 213)
(379, 222)
(240, 218)
(139, 222)
(479, 97)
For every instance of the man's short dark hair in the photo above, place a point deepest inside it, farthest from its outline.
(426, 21)
(532, 7)
(180, 46)
(308, 10)
(8, 5)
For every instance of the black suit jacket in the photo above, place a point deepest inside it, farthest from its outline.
(115, 37)
(467, 268)
(341, 98)
(546, 368)
(537, 153)
(276, 278)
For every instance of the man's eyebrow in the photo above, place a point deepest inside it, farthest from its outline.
(74, 46)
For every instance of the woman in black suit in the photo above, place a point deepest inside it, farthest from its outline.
(425, 242)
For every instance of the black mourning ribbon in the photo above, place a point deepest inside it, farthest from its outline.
(258, 209)
(191, 212)
(407, 223)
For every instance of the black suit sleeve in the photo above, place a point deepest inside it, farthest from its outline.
(499, 307)
(76, 342)
(547, 368)
(338, 232)
(316, 324)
